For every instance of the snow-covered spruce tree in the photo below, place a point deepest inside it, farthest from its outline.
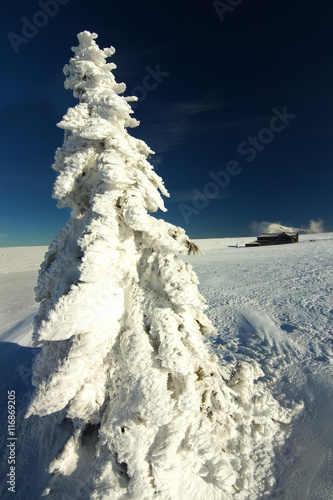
(121, 322)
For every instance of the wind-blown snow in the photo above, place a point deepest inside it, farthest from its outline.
(314, 227)
(270, 228)
(272, 306)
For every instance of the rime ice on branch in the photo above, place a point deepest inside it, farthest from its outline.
(121, 320)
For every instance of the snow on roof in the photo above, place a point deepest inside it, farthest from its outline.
(273, 235)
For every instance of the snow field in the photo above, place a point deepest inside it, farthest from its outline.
(274, 305)
(273, 309)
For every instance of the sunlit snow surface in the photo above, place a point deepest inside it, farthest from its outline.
(273, 305)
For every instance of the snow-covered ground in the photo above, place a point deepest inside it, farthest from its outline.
(270, 304)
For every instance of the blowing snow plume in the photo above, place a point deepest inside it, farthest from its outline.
(315, 227)
(121, 326)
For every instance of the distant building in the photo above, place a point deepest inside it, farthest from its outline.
(274, 239)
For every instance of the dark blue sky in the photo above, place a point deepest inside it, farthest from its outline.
(235, 97)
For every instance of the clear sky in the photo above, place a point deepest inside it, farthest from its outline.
(235, 98)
